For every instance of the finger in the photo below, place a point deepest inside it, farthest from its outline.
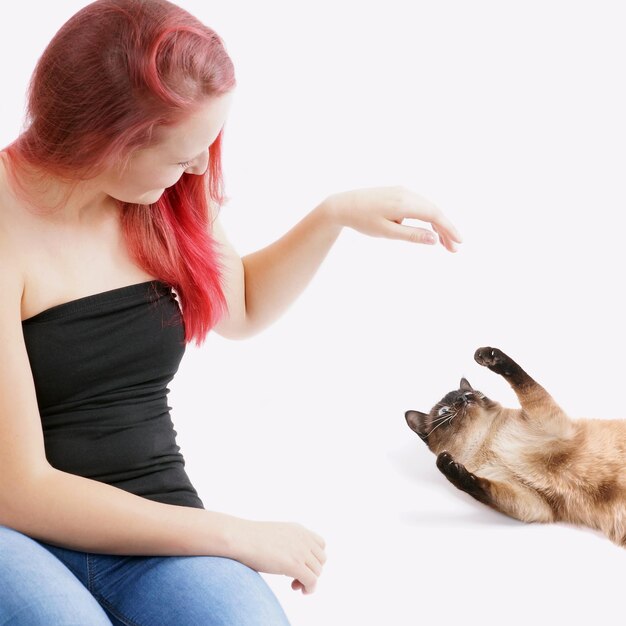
(440, 222)
(449, 244)
(445, 241)
(319, 554)
(450, 231)
(315, 566)
(422, 209)
(308, 579)
(296, 585)
(442, 240)
(408, 233)
(320, 541)
(316, 561)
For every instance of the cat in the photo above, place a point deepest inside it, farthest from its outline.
(535, 463)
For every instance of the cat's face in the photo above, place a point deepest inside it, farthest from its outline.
(455, 419)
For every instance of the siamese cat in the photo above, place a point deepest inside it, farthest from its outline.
(535, 463)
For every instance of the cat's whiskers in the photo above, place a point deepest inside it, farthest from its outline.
(446, 419)
(445, 416)
(436, 427)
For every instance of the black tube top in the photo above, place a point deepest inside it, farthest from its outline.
(101, 365)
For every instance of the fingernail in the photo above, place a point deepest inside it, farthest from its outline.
(428, 238)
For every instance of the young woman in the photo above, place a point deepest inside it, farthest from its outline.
(112, 258)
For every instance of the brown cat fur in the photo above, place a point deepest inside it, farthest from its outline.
(535, 463)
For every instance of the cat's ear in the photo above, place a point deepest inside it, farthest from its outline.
(465, 386)
(417, 422)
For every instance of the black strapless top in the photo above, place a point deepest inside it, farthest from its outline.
(101, 366)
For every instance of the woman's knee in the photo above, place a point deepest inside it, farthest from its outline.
(242, 596)
(37, 589)
(207, 590)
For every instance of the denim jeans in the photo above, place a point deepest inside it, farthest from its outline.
(44, 585)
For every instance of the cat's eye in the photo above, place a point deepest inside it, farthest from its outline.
(443, 410)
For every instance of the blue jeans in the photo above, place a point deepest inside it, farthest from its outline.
(44, 585)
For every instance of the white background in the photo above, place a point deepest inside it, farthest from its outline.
(510, 117)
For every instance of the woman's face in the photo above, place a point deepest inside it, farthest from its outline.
(178, 149)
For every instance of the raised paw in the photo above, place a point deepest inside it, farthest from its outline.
(489, 356)
(495, 360)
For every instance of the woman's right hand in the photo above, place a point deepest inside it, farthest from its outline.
(280, 548)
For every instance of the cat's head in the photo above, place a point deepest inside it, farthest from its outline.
(457, 418)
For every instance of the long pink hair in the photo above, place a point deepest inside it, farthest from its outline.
(114, 72)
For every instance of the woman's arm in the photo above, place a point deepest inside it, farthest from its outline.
(262, 285)
(83, 514)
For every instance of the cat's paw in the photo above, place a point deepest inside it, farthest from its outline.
(494, 359)
(488, 356)
(462, 479)
(449, 467)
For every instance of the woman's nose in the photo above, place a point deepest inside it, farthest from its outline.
(199, 164)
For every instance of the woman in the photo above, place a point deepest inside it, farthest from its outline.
(112, 258)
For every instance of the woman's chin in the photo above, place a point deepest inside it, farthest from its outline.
(150, 197)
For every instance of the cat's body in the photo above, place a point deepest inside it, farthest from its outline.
(533, 463)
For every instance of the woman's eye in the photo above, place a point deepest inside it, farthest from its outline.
(185, 165)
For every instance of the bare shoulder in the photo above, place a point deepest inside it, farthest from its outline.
(11, 273)
(9, 211)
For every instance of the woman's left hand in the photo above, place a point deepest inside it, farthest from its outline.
(380, 211)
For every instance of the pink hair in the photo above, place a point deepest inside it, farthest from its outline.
(114, 72)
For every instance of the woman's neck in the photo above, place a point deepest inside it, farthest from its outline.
(83, 204)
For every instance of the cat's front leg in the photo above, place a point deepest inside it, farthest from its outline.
(535, 400)
(518, 501)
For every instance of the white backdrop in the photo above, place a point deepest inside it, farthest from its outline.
(510, 117)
